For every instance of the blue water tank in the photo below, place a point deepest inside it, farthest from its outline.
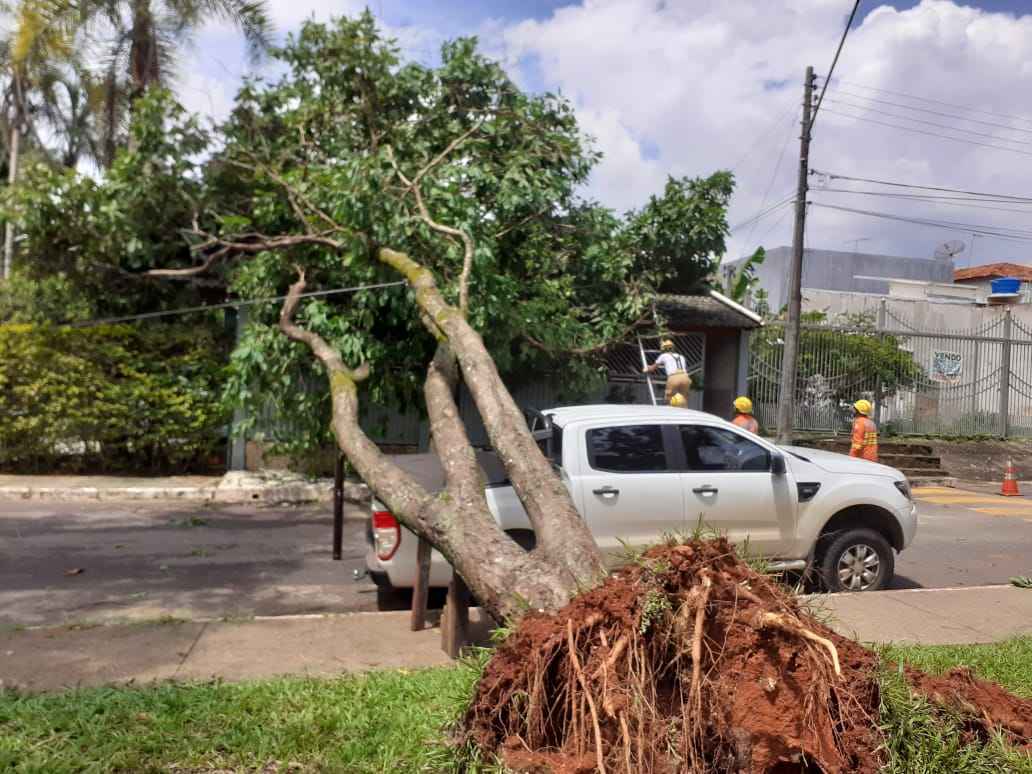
(1005, 285)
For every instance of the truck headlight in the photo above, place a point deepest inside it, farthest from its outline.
(904, 488)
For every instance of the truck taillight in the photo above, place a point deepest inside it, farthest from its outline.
(386, 534)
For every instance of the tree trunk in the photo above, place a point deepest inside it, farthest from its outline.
(12, 178)
(503, 577)
(560, 531)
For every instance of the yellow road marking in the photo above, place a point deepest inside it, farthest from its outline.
(1005, 511)
(936, 490)
(965, 500)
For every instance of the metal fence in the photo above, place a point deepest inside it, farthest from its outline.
(921, 382)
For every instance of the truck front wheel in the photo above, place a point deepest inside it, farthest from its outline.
(856, 560)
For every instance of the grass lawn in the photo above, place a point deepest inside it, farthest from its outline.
(390, 722)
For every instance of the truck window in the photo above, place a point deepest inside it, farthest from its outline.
(627, 449)
(714, 449)
(556, 457)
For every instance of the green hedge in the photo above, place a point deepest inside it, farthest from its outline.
(114, 398)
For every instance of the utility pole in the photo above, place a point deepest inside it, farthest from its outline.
(790, 356)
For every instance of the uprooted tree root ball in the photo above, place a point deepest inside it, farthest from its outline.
(688, 660)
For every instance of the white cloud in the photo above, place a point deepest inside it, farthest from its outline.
(687, 87)
(700, 82)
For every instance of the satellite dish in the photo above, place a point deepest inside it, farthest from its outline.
(950, 249)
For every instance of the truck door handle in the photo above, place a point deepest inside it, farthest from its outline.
(606, 490)
(705, 489)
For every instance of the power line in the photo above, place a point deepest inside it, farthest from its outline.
(927, 123)
(229, 304)
(896, 184)
(934, 112)
(949, 200)
(936, 101)
(762, 214)
(766, 131)
(929, 134)
(834, 61)
(948, 225)
(774, 225)
(773, 178)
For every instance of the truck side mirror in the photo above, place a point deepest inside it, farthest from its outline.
(777, 464)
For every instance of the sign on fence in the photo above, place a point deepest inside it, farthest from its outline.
(947, 367)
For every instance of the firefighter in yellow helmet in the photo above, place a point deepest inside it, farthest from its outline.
(865, 433)
(743, 415)
(675, 366)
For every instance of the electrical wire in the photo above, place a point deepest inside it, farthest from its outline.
(762, 214)
(229, 304)
(766, 132)
(773, 226)
(929, 134)
(773, 179)
(897, 184)
(834, 61)
(948, 225)
(948, 200)
(968, 108)
(972, 132)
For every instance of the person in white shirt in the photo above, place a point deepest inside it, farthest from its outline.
(675, 366)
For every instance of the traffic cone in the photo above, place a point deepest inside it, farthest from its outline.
(1010, 482)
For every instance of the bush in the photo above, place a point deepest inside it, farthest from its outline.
(112, 398)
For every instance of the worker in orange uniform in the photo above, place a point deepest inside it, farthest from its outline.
(676, 368)
(743, 415)
(865, 433)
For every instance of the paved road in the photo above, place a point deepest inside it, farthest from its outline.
(145, 561)
(958, 544)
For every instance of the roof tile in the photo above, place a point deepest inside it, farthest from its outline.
(994, 270)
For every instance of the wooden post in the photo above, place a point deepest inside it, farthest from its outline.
(338, 507)
(421, 590)
(455, 624)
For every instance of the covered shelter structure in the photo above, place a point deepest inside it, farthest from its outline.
(710, 330)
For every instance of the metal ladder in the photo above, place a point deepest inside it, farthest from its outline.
(657, 387)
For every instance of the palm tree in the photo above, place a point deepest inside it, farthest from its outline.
(37, 51)
(145, 37)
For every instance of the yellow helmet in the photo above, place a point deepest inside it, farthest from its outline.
(864, 407)
(677, 400)
(743, 405)
(667, 345)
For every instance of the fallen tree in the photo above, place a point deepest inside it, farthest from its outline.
(356, 170)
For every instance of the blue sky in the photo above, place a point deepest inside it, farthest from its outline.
(684, 87)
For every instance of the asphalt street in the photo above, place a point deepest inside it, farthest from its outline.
(79, 564)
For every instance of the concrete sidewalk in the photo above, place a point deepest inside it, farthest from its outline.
(233, 487)
(929, 616)
(55, 658)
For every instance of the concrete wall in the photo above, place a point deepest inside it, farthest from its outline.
(837, 270)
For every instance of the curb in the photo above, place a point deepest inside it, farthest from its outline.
(286, 493)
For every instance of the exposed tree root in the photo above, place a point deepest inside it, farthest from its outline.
(688, 661)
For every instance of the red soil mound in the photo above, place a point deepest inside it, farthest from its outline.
(690, 661)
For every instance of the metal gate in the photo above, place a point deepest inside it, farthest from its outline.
(942, 382)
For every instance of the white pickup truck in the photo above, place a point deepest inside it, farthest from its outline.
(638, 472)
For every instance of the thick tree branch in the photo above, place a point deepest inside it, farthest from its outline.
(193, 270)
(329, 356)
(538, 344)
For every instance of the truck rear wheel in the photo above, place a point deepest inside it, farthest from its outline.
(856, 560)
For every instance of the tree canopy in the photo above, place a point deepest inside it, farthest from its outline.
(451, 163)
